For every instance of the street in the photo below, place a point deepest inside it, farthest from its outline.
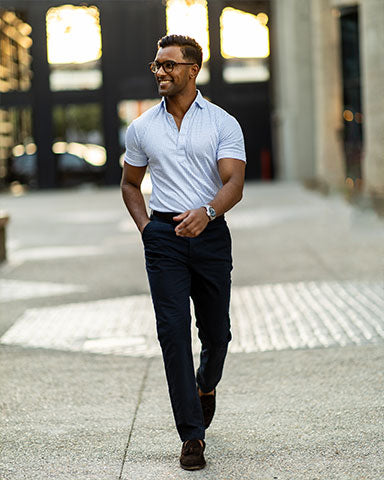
(83, 390)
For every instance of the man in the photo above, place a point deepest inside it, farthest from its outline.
(195, 154)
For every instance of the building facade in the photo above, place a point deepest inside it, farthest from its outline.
(329, 95)
(311, 104)
(76, 107)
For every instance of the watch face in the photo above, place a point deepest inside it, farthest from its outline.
(212, 212)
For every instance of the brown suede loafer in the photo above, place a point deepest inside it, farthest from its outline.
(208, 405)
(192, 455)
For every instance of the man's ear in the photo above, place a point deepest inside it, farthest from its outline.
(194, 71)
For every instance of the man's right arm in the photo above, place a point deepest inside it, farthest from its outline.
(132, 196)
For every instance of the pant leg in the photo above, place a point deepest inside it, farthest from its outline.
(170, 282)
(211, 285)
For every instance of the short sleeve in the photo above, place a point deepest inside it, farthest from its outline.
(231, 140)
(134, 154)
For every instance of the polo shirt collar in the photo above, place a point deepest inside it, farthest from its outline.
(199, 100)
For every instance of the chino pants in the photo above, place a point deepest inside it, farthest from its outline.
(179, 269)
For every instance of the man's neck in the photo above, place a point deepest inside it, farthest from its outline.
(178, 105)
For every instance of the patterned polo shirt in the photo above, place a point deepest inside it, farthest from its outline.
(183, 163)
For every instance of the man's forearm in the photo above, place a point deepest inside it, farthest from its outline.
(135, 203)
(227, 197)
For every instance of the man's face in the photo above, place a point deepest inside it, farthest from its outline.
(170, 84)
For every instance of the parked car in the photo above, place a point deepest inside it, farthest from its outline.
(71, 170)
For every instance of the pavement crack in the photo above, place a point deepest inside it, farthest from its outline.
(139, 398)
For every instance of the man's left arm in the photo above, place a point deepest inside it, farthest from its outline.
(232, 172)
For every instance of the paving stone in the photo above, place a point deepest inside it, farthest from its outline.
(266, 317)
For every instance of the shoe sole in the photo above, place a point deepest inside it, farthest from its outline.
(194, 467)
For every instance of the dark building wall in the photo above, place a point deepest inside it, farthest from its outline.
(130, 30)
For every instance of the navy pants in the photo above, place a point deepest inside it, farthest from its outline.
(179, 269)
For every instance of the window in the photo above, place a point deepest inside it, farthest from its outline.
(15, 59)
(244, 46)
(78, 143)
(17, 148)
(74, 47)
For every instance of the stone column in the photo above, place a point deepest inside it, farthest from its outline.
(372, 67)
(328, 127)
(293, 89)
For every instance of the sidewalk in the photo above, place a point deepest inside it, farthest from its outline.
(83, 391)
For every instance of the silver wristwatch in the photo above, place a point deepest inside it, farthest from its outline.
(210, 211)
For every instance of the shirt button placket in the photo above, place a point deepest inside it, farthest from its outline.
(181, 146)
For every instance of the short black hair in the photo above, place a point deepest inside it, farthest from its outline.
(190, 49)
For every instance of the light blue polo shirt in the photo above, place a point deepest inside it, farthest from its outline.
(183, 164)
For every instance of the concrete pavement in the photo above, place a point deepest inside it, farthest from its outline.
(83, 391)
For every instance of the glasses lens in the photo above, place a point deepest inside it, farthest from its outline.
(168, 66)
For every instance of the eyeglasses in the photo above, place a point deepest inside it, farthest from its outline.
(168, 65)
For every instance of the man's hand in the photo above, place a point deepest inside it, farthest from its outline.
(192, 222)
